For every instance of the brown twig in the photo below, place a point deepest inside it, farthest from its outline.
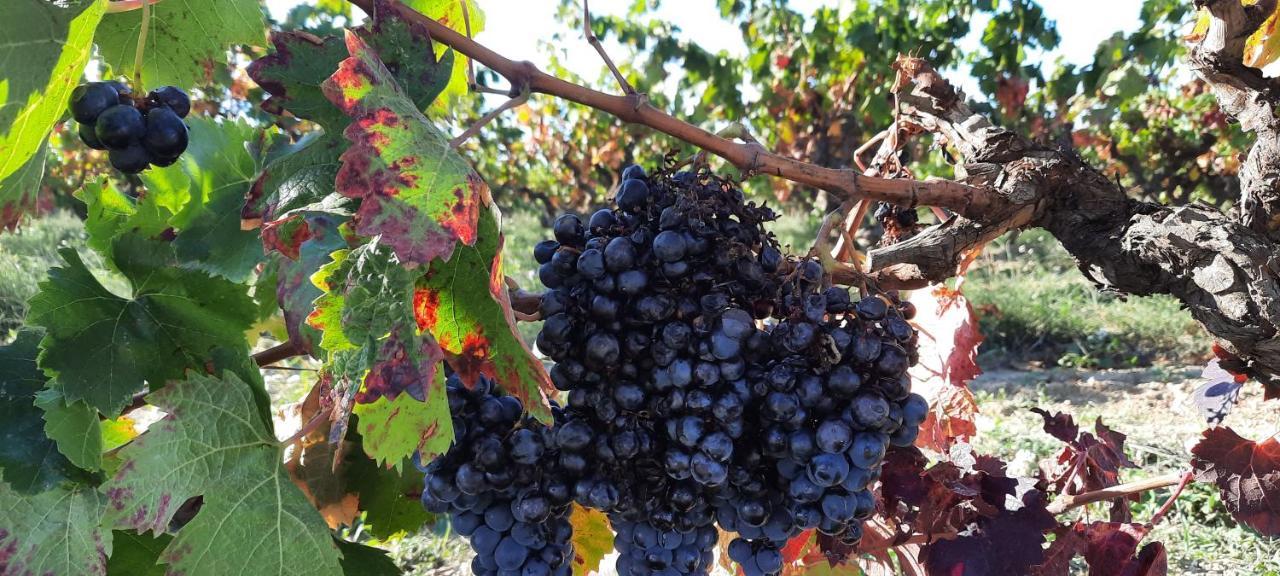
(595, 43)
(1187, 478)
(971, 201)
(487, 118)
(282, 351)
(1068, 502)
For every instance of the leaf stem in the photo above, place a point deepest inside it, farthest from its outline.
(142, 45)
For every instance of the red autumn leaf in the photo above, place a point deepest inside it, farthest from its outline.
(1066, 545)
(1010, 543)
(1246, 472)
(1109, 549)
(948, 347)
(1110, 545)
(1061, 425)
(1089, 461)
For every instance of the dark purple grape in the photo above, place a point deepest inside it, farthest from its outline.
(633, 195)
(568, 230)
(633, 172)
(89, 137)
(544, 250)
(130, 159)
(88, 101)
(172, 98)
(166, 135)
(120, 126)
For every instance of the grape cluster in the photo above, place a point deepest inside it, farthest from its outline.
(709, 380)
(136, 132)
(494, 487)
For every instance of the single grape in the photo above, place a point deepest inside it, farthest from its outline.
(170, 97)
(89, 137)
(119, 126)
(166, 135)
(88, 101)
(130, 159)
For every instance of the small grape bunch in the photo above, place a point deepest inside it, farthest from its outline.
(136, 132)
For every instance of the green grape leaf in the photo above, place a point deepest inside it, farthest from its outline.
(295, 292)
(134, 554)
(414, 190)
(74, 426)
(380, 366)
(214, 443)
(57, 531)
(111, 213)
(186, 41)
(592, 539)
(387, 498)
(450, 13)
(361, 560)
(366, 293)
(29, 461)
(44, 47)
(102, 346)
(214, 175)
(464, 303)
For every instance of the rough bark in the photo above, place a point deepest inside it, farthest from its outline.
(1225, 272)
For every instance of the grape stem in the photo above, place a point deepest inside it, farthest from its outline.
(142, 45)
(977, 202)
(118, 6)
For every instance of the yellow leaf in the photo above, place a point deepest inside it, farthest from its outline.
(1263, 46)
(592, 539)
(1201, 28)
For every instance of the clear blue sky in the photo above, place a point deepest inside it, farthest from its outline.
(514, 27)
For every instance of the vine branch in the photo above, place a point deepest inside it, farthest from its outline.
(595, 43)
(1067, 502)
(277, 353)
(973, 201)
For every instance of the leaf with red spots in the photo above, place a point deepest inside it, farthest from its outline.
(215, 443)
(301, 180)
(415, 190)
(57, 531)
(295, 292)
(1246, 472)
(380, 365)
(464, 303)
(949, 340)
(592, 539)
(402, 406)
(300, 62)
